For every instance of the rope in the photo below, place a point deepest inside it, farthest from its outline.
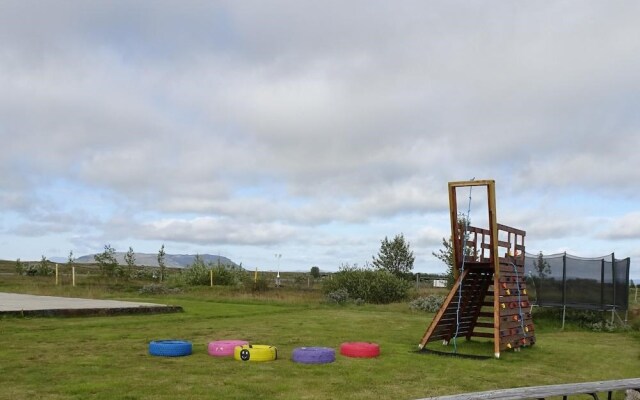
(465, 237)
(515, 269)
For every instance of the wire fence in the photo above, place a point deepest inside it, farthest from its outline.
(563, 280)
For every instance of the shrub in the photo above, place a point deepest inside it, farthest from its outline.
(257, 285)
(155, 288)
(339, 296)
(142, 274)
(358, 302)
(371, 286)
(19, 267)
(431, 303)
(227, 275)
(200, 274)
(196, 274)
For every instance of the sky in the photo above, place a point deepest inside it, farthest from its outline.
(291, 134)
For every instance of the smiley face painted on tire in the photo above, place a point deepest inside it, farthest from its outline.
(245, 355)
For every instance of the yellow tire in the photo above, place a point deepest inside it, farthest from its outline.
(255, 352)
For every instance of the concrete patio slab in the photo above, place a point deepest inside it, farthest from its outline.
(32, 305)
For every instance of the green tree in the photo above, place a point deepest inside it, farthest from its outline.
(395, 256)
(130, 260)
(19, 267)
(445, 254)
(71, 260)
(197, 273)
(542, 267)
(107, 261)
(315, 272)
(161, 262)
(43, 267)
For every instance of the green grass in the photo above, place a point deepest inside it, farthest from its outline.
(106, 357)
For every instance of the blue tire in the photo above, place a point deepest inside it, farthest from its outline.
(170, 348)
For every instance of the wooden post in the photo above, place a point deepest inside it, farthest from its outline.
(211, 276)
(56, 274)
(73, 276)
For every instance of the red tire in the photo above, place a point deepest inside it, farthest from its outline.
(360, 349)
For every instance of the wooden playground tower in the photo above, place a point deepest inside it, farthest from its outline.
(489, 297)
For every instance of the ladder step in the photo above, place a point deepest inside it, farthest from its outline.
(482, 334)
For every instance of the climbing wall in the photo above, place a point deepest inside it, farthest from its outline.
(516, 325)
(489, 298)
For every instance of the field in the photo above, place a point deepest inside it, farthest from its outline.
(107, 358)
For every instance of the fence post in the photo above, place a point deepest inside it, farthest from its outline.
(564, 288)
(211, 276)
(613, 280)
(56, 274)
(602, 284)
(73, 276)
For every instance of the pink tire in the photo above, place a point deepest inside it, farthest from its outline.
(224, 348)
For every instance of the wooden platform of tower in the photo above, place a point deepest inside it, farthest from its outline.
(489, 297)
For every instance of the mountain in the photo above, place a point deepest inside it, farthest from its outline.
(171, 260)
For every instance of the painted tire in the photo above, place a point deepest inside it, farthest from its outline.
(313, 355)
(255, 352)
(360, 349)
(224, 348)
(170, 348)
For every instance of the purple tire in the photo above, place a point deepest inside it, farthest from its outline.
(224, 348)
(313, 355)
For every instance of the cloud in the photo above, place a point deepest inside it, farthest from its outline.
(255, 123)
(625, 227)
(207, 230)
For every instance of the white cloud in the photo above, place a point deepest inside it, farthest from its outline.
(625, 227)
(266, 121)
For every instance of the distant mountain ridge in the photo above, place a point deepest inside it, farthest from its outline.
(171, 260)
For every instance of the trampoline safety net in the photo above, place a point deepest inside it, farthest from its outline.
(585, 283)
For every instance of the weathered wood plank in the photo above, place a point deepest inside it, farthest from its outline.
(539, 392)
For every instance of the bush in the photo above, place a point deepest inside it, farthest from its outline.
(145, 273)
(35, 270)
(196, 274)
(200, 274)
(371, 286)
(19, 267)
(155, 288)
(227, 275)
(339, 296)
(248, 280)
(593, 320)
(431, 303)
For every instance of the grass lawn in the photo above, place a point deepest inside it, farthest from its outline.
(107, 357)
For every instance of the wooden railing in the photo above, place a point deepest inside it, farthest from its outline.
(542, 392)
